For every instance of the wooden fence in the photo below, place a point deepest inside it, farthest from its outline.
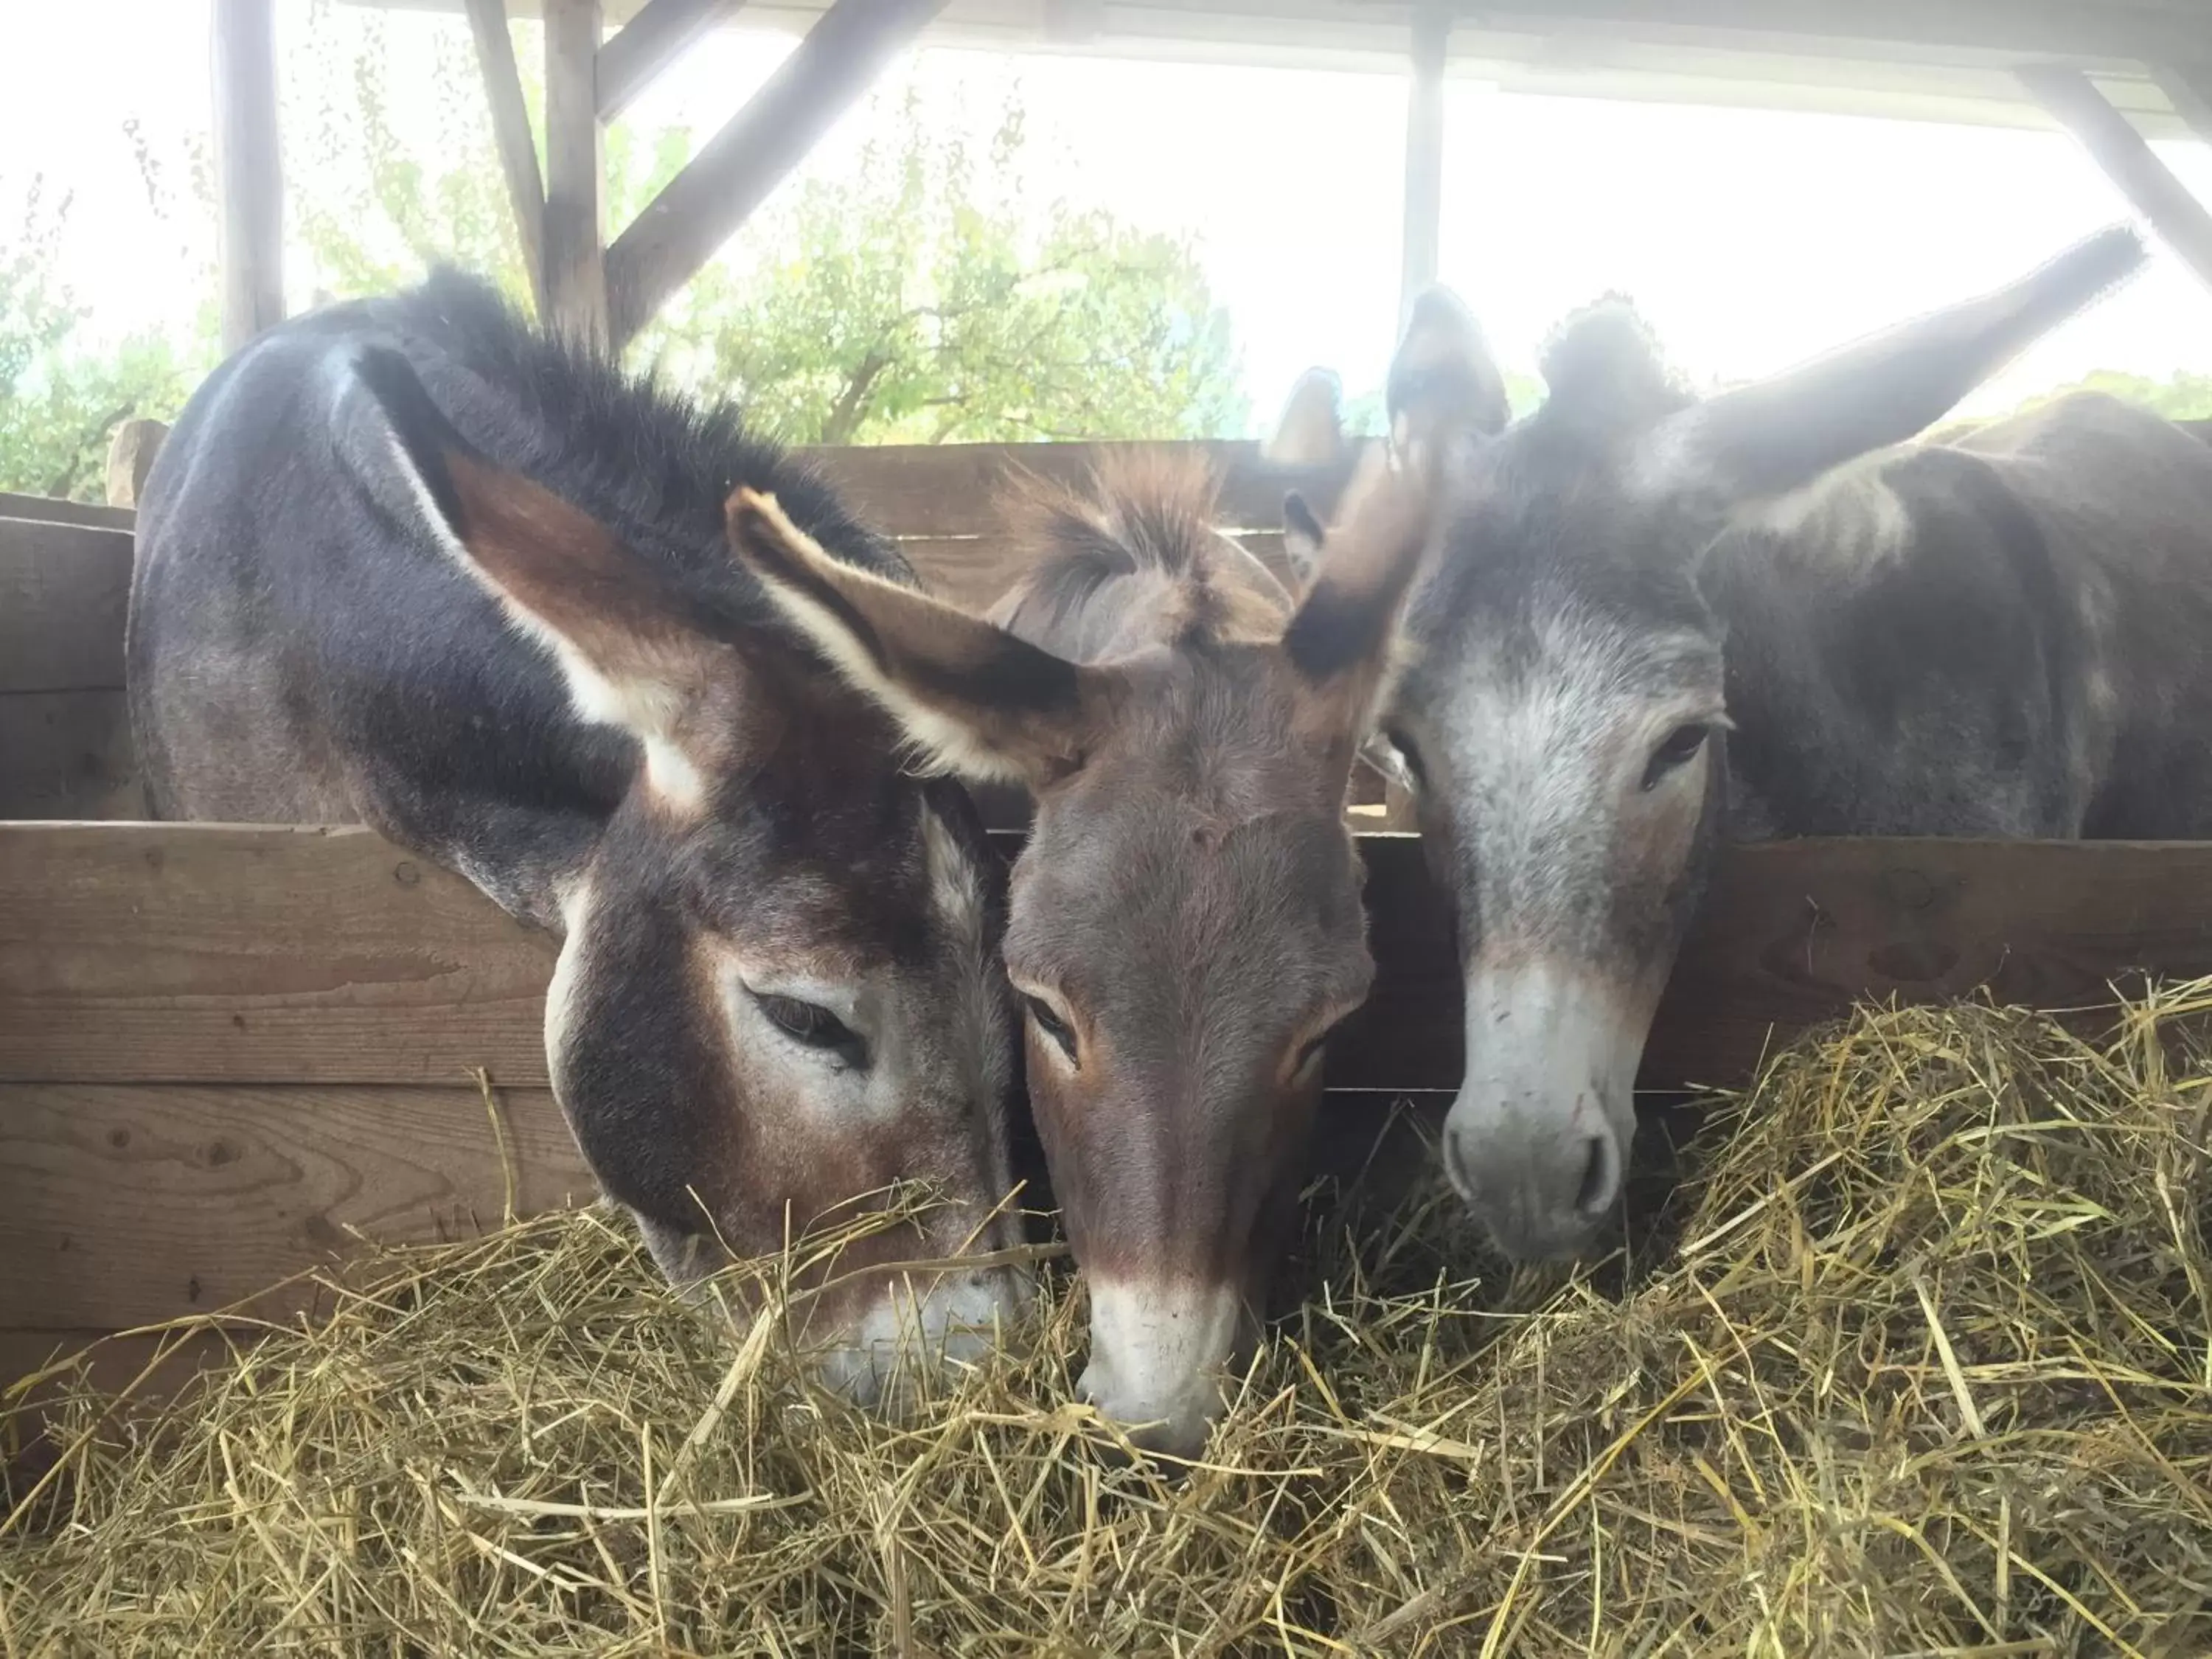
(225, 1051)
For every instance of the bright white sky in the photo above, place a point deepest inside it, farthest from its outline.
(1750, 239)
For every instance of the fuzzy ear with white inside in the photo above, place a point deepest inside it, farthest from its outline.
(634, 652)
(971, 698)
(1767, 440)
(1443, 382)
(1343, 637)
(1310, 432)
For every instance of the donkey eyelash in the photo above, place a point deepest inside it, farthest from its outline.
(1312, 1048)
(1050, 1022)
(1408, 753)
(811, 1025)
(1678, 749)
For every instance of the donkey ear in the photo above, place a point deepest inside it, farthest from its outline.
(1767, 440)
(970, 697)
(633, 652)
(1443, 380)
(1342, 638)
(1310, 432)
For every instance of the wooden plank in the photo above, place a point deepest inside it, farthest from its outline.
(154, 1367)
(248, 169)
(657, 35)
(201, 953)
(952, 490)
(510, 127)
(678, 230)
(196, 953)
(64, 592)
(123, 1206)
(1424, 155)
(52, 509)
(2118, 149)
(68, 755)
(1793, 932)
(575, 183)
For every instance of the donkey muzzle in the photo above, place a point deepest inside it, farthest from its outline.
(1537, 1142)
(1159, 1353)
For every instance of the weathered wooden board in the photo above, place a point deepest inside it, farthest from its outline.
(64, 591)
(195, 953)
(52, 509)
(68, 755)
(121, 1206)
(1793, 933)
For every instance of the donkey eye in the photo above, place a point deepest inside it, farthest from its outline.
(1315, 1047)
(1406, 752)
(1681, 744)
(1051, 1024)
(809, 1022)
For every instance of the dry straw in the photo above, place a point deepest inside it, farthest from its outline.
(1924, 1371)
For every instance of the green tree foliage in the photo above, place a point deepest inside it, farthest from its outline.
(2181, 397)
(918, 296)
(61, 395)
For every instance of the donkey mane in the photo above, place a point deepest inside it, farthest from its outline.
(654, 465)
(1145, 512)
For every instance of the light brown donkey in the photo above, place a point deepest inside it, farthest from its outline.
(1185, 927)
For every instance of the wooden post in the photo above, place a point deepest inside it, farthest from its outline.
(130, 455)
(1424, 155)
(656, 36)
(2188, 88)
(679, 230)
(510, 127)
(2113, 144)
(575, 246)
(248, 170)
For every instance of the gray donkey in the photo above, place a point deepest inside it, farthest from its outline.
(1650, 621)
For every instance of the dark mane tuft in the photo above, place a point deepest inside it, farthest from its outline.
(651, 465)
(1145, 510)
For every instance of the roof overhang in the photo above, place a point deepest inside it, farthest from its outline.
(1940, 60)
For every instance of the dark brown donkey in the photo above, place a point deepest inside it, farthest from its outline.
(409, 563)
(1186, 927)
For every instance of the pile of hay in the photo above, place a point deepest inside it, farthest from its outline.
(1926, 1372)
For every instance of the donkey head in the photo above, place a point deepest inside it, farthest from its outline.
(1185, 925)
(778, 994)
(1564, 712)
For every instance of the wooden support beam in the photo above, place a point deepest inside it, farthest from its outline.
(653, 39)
(1424, 155)
(130, 455)
(2181, 220)
(249, 172)
(679, 230)
(2188, 88)
(576, 231)
(510, 129)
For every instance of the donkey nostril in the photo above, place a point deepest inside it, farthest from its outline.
(1601, 1175)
